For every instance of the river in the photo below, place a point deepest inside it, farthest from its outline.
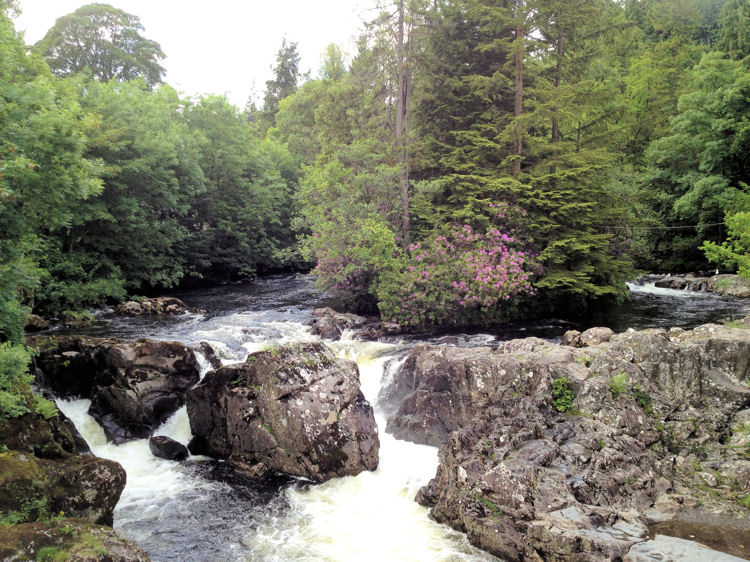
(196, 510)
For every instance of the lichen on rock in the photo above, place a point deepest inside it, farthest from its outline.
(654, 431)
(296, 410)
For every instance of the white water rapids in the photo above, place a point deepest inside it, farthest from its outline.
(176, 513)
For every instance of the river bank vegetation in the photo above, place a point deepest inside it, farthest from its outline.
(472, 159)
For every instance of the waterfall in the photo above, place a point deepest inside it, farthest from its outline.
(175, 511)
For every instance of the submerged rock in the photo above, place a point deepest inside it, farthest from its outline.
(134, 387)
(152, 307)
(296, 410)
(166, 448)
(533, 469)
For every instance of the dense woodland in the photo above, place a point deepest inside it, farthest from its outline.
(473, 160)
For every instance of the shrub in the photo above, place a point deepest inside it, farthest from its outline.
(563, 395)
(618, 384)
(14, 380)
(459, 277)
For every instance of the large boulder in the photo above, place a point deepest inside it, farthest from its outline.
(80, 486)
(152, 307)
(66, 539)
(134, 387)
(52, 438)
(438, 389)
(296, 410)
(557, 453)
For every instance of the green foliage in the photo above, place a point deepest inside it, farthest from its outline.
(241, 222)
(641, 398)
(700, 169)
(51, 554)
(734, 30)
(563, 395)
(618, 384)
(285, 80)
(104, 41)
(734, 253)
(14, 380)
(43, 407)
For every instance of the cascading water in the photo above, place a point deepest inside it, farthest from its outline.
(197, 511)
(182, 512)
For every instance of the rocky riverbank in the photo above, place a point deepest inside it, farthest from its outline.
(725, 285)
(558, 452)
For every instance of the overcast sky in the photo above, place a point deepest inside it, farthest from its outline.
(223, 46)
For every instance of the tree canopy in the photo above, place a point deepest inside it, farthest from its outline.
(105, 42)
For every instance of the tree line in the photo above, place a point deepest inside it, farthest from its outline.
(472, 161)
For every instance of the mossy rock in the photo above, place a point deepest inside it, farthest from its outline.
(55, 438)
(66, 539)
(23, 488)
(83, 486)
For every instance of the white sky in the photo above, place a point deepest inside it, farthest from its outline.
(223, 46)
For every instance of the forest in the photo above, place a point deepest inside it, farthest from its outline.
(473, 161)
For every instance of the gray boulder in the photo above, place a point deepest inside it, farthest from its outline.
(329, 324)
(296, 410)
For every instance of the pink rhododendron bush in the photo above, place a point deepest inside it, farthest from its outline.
(459, 276)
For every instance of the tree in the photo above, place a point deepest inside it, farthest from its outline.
(285, 81)
(734, 29)
(104, 41)
(701, 169)
(333, 66)
(240, 223)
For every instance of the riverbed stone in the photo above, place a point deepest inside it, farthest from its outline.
(134, 387)
(158, 306)
(671, 548)
(296, 410)
(167, 448)
(329, 324)
(646, 435)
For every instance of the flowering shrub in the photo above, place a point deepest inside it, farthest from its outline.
(460, 277)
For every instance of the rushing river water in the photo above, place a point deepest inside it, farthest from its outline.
(198, 511)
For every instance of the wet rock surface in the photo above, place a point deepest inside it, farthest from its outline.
(43, 474)
(133, 387)
(329, 324)
(166, 448)
(553, 452)
(296, 410)
(152, 307)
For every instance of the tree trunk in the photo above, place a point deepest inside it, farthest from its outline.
(518, 107)
(558, 74)
(403, 172)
